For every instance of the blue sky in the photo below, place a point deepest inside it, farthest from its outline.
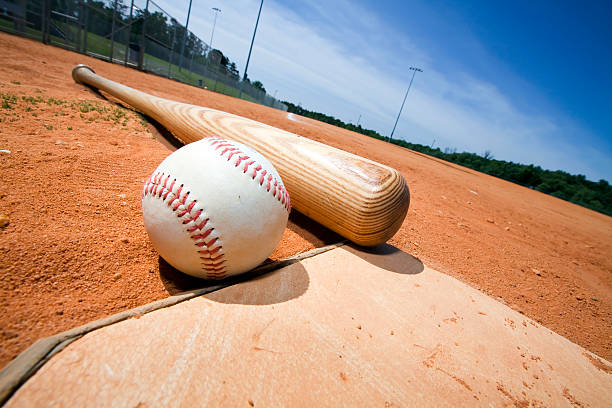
(529, 81)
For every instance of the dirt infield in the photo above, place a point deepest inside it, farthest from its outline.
(75, 248)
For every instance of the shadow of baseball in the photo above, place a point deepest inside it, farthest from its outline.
(176, 281)
(251, 288)
(279, 286)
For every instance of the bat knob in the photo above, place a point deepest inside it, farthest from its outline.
(75, 69)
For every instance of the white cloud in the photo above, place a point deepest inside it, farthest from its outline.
(341, 59)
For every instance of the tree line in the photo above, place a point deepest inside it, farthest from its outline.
(573, 188)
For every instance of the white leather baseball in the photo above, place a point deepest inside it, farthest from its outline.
(215, 208)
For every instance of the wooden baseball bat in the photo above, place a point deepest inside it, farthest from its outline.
(360, 199)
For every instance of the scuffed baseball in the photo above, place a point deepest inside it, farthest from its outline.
(215, 208)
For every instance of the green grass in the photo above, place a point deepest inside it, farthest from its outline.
(100, 45)
(89, 111)
(160, 67)
(10, 27)
(8, 101)
(97, 44)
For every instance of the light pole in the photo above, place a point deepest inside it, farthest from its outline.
(252, 41)
(216, 11)
(184, 37)
(415, 70)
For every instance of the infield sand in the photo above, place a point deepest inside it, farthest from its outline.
(75, 249)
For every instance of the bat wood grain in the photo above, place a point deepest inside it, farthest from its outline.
(360, 199)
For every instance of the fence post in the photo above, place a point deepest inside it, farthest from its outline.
(85, 7)
(129, 35)
(79, 26)
(142, 37)
(171, 52)
(191, 62)
(46, 15)
(180, 66)
(112, 39)
(19, 21)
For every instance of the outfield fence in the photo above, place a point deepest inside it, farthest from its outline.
(135, 33)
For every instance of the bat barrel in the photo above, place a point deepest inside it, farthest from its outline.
(362, 200)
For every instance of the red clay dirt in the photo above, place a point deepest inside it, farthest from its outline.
(75, 248)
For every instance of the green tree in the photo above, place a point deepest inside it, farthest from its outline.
(258, 85)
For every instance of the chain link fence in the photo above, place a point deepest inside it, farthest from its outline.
(135, 33)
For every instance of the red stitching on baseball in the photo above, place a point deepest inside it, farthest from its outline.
(213, 266)
(247, 164)
(169, 188)
(204, 235)
(214, 251)
(233, 152)
(194, 217)
(255, 170)
(199, 226)
(272, 183)
(227, 149)
(269, 179)
(240, 159)
(207, 256)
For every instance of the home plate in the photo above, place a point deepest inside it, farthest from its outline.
(342, 328)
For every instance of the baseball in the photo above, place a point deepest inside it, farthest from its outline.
(215, 208)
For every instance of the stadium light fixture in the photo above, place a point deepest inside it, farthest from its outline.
(415, 70)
